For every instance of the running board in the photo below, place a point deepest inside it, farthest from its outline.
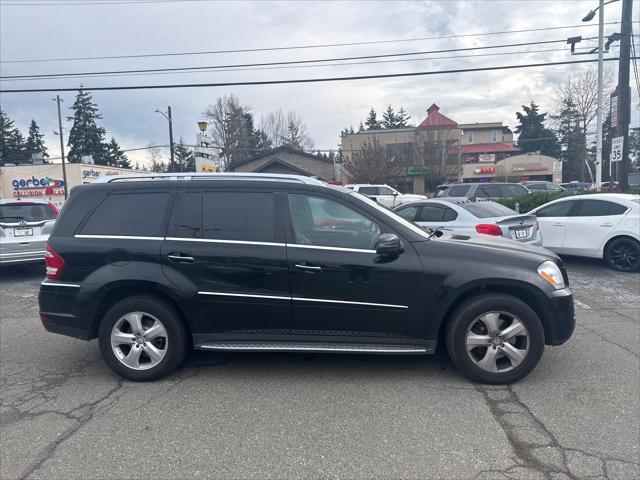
(314, 347)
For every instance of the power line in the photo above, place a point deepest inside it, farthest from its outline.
(94, 2)
(300, 47)
(635, 64)
(421, 59)
(288, 62)
(302, 80)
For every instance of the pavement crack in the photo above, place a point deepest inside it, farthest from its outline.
(90, 409)
(609, 341)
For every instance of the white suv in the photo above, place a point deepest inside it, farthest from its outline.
(384, 194)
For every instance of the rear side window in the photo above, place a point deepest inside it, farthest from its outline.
(369, 190)
(244, 216)
(131, 214)
(189, 220)
(27, 212)
(537, 186)
(408, 213)
(599, 208)
(430, 213)
(458, 191)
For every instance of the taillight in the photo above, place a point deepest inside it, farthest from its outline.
(54, 207)
(489, 229)
(54, 263)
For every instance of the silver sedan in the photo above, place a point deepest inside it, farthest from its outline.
(468, 215)
(25, 225)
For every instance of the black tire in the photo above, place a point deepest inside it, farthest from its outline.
(623, 254)
(468, 313)
(176, 337)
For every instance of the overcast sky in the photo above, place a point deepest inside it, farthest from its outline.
(48, 29)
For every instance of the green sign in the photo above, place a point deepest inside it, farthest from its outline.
(418, 170)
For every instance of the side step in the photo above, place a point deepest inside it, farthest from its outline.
(313, 347)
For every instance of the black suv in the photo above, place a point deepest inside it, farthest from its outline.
(153, 266)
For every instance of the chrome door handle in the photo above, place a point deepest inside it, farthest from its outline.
(558, 225)
(606, 224)
(308, 268)
(176, 257)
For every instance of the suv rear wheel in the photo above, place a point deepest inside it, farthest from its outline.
(495, 339)
(142, 338)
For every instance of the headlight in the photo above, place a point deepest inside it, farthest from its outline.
(552, 274)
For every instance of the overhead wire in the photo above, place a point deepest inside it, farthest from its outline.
(300, 80)
(299, 47)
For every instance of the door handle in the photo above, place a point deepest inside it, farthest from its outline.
(558, 224)
(606, 224)
(308, 268)
(178, 257)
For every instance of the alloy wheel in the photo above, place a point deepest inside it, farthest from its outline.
(624, 254)
(497, 341)
(139, 340)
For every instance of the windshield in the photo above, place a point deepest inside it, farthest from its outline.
(394, 216)
(26, 212)
(487, 209)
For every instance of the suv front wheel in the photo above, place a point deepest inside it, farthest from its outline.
(495, 338)
(142, 338)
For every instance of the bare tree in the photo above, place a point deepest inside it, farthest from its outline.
(431, 150)
(581, 91)
(286, 128)
(155, 155)
(372, 164)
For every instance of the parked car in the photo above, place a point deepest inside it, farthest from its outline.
(482, 190)
(577, 187)
(384, 194)
(247, 262)
(602, 225)
(25, 226)
(543, 186)
(465, 215)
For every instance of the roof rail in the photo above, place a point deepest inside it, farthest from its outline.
(151, 176)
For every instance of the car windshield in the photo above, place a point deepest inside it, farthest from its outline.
(26, 212)
(487, 209)
(397, 218)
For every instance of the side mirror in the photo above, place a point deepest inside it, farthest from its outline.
(395, 194)
(389, 244)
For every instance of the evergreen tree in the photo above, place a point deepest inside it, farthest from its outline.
(12, 146)
(35, 141)
(389, 118)
(372, 122)
(86, 137)
(571, 140)
(360, 127)
(185, 160)
(403, 120)
(115, 156)
(533, 135)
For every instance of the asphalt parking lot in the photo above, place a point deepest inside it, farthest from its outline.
(65, 415)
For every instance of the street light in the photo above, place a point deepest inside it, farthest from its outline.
(202, 125)
(589, 16)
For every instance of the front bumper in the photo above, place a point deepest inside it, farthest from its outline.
(561, 317)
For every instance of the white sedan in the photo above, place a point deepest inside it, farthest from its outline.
(384, 194)
(601, 225)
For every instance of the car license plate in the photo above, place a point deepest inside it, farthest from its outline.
(22, 232)
(521, 233)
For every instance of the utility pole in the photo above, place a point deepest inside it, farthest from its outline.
(599, 109)
(64, 168)
(168, 117)
(624, 94)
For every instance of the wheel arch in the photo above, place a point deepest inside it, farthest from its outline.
(522, 292)
(616, 237)
(117, 291)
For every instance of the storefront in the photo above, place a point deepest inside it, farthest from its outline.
(46, 181)
(518, 168)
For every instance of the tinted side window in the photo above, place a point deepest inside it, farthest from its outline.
(560, 209)
(408, 213)
(244, 216)
(537, 186)
(450, 214)
(133, 214)
(430, 213)
(368, 191)
(189, 220)
(598, 208)
(458, 191)
(323, 222)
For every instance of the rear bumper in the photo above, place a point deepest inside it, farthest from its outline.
(65, 308)
(561, 318)
(28, 256)
(27, 251)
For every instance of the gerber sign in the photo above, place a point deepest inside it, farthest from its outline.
(36, 183)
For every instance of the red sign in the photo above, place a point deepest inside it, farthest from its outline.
(485, 170)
